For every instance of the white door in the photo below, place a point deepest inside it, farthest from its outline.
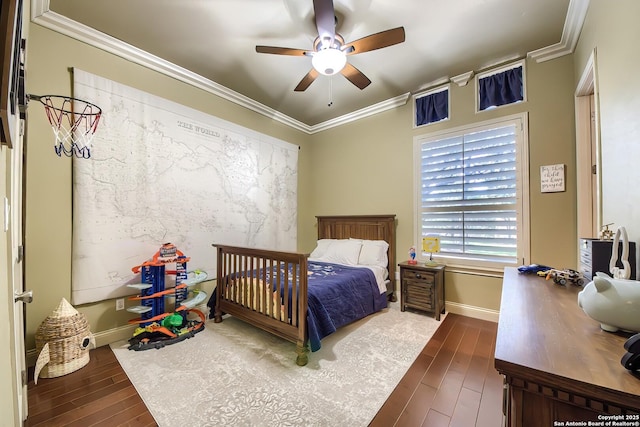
(20, 297)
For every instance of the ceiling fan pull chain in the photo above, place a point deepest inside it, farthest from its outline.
(330, 92)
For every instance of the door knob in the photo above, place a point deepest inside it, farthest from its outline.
(25, 297)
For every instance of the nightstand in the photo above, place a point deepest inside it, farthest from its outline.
(422, 288)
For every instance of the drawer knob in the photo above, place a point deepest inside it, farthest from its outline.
(418, 276)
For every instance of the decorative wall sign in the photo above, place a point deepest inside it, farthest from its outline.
(552, 178)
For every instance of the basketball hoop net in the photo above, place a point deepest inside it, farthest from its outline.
(73, 121)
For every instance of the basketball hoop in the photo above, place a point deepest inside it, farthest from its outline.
(73, 121)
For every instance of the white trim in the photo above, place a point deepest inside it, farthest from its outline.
(481, 124)
(42, 15)
(588, 221)
(497, 70)
(472, 311)
(576, 14)
(97, 39)
(428, 92)
(428, 86)
(431, 91)
(388, 104)
(462, 79)
(586, 85)
(501, 68)
(523, 220)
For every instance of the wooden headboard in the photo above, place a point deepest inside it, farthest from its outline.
(369, 227)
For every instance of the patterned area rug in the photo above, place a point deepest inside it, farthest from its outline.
(232, 374)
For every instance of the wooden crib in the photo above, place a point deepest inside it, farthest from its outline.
(268, 289)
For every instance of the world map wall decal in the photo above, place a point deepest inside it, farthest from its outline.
(162, 172)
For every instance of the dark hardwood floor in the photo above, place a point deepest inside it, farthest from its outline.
(99, 394)
(451, 383)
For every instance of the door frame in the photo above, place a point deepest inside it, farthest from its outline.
(588, 163)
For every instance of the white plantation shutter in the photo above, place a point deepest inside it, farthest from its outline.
(469, 192)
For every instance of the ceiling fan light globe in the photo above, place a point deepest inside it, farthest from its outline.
(329, 61)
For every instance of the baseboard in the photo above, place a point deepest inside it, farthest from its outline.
(472, 311)
(108, 337)
(102, 338)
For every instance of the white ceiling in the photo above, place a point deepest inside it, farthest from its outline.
(216, 40)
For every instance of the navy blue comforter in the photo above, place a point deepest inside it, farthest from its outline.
(337, 295)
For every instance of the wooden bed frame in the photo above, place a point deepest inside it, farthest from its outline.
(242, 296)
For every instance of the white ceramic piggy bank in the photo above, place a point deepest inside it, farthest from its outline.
(615, 303)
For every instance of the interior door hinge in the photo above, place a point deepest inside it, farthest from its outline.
(20, 254)
(25, 380)
(594, 170)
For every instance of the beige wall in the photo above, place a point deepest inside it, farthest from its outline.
(361, 167)
(335, 166)
(48, 185)
(613, 32)
(367, 167)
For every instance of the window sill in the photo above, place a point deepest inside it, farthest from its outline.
(475, 268)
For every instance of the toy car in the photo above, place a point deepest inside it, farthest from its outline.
(543, 273)
(567, 275)
(533, 268)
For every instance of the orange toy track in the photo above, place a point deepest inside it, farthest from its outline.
(164, 330)
(156, 262)
(159, 294)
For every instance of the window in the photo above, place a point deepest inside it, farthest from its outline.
(432, 106)
(502, 86)
(472, 192)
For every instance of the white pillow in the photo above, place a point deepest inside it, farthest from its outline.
(374, 252)
(321, 248)
(343, 251)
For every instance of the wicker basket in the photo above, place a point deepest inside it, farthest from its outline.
(66, 331)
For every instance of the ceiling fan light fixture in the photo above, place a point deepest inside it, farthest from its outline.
(329, 61)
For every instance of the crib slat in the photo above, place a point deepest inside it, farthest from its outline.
(257, 286)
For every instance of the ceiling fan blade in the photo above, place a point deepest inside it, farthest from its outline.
(355, 76)
(281, 50)
(307, 80)
(375, 41)
(325, 20)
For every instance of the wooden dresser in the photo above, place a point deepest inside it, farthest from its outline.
(558, 364)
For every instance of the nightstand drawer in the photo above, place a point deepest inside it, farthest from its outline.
(415, 275)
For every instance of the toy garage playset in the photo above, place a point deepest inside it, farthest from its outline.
(158, 327)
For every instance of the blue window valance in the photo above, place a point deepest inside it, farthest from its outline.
(432, 107)
(501, 88)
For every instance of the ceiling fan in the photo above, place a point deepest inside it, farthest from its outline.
(329, 54)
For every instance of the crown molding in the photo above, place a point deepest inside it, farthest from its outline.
(573, 23)
(388, 104)
(462, 79)
(42, 15)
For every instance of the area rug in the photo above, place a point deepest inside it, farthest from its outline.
(233, 374)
